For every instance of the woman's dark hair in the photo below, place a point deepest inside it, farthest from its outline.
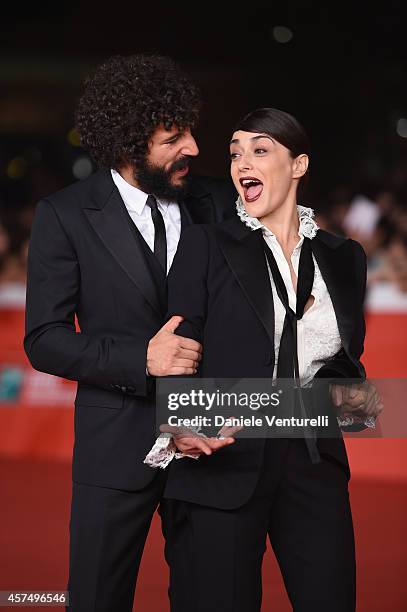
(126, 100)
(279, 125)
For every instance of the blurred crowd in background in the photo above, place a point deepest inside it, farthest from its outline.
(375, 215)
(353, 108)
(377, 218)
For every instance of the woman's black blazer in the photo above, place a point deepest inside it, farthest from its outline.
(220, 283)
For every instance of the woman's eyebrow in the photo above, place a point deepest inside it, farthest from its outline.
(236, 140)
(263, 136)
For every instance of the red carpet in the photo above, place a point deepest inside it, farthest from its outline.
(35, 494)
(34, 541)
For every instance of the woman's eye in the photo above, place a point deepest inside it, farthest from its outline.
(260, 151)
(234, 155)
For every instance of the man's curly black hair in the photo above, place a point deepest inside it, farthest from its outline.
(126, 100)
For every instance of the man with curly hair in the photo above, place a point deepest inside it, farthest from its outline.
(100, 250)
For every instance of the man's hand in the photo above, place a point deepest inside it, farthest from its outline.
(191, 443)
(361, 400)
(168, 354)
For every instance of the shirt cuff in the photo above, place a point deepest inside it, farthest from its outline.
(164, 451)
(358, 422)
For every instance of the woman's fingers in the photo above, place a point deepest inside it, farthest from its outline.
(194, 445)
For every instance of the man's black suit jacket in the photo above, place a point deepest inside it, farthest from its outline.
(88, 261)
(220, 283)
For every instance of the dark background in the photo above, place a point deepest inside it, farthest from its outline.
(342, 75)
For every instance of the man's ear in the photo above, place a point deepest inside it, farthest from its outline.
(300, 165)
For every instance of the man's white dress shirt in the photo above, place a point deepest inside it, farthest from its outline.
(135, 201)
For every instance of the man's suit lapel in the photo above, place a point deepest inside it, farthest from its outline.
(198, 204)
(199, 209)
(244, 253)
(210, 200)
(186, 218)
(335, 261)
(108, 219)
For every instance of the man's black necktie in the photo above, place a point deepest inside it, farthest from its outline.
(160, 238)
(287, 365)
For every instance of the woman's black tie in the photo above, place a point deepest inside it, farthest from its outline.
(287, 365)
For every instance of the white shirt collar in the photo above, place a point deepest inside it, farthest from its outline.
(134, 199)
(308, 227)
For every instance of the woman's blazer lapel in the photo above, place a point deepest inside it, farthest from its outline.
(335, 259)
(244, 253)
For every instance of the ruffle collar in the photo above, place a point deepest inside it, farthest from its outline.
(308, 227)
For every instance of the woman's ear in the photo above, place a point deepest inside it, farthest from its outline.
(300, 165)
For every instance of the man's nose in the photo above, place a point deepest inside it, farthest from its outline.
(189, 146)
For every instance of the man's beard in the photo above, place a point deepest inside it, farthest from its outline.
(155, 180)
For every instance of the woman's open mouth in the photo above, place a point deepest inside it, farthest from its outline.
(252, 188)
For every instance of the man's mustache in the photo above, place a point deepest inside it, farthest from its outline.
(181, 163)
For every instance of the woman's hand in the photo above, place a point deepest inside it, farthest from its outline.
(201, 446)
(192, 443)
(361, 400)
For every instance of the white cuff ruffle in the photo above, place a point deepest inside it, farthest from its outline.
(347, 421)
(164, 451)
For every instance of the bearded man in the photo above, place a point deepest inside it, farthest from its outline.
(99, 254)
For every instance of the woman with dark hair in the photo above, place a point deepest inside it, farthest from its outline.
(268, 294)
